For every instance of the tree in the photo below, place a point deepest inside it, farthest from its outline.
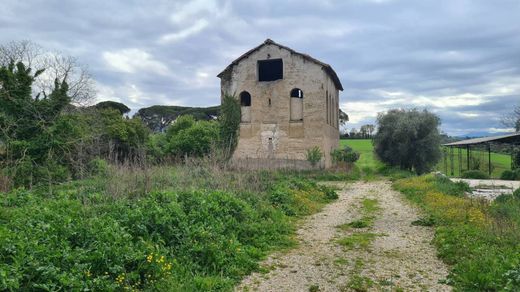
(353, 133)
(370, 128)
(512, 120)
(408, 139)
(57, 67)
(343, 118)
(159, 117)
(120, 107)
(34, 132)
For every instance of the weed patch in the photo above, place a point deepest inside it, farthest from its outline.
(182, 230)
(360, 283)
(477, 238)
(360, 240)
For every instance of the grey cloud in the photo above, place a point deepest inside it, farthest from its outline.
(415, 49)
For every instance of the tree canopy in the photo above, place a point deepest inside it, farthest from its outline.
(408, 139)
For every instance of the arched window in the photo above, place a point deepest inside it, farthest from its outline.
(296, 104)
(245, 103)
(297, 93)
(245, 98)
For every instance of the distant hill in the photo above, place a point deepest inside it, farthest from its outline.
(158, 117)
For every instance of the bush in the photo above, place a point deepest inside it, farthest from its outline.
(516, 194)
(314, 155)
(509, 175)
(475, 174)
(346, 155)
(189, 137)
(408, 139)
(98, 167)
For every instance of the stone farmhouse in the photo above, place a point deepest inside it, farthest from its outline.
(289, 103)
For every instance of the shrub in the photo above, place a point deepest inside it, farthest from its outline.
(189, 137)
(408, 139)
(346, 155)
(314, 155)
(202, 239)
(475, 174)
(508, 175)
(97, 167)
(516, 194)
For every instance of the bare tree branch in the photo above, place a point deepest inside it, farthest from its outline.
(56, 65)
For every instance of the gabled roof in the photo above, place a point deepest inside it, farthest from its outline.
(513, 138)
(325, 66)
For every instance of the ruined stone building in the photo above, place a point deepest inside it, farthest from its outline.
(289, 103)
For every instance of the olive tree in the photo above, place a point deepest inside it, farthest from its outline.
(408, 139)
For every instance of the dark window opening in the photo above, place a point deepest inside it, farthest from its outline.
(245, 98)
(269, 102)
(270, 70)
(297, 93)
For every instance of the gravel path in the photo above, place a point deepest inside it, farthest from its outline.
(399, 256)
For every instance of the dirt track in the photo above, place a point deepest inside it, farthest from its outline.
(398, 256)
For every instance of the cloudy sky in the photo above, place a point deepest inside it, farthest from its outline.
(458, 58)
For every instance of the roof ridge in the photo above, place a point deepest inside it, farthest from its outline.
(269, 41)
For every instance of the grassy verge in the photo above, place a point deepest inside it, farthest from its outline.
(479, 240)
(175, 229)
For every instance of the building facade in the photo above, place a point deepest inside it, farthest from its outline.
(289, 103)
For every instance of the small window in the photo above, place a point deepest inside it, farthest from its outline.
(245, 98)
(270, 70)
(297, 93)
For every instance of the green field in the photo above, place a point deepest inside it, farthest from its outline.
(499, 162)
(366, 149)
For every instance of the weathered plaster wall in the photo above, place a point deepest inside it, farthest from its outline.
(271, 134)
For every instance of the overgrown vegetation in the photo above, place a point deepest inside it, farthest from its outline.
(314, 155)
(475, 174)
(479, 239)
(180, 228)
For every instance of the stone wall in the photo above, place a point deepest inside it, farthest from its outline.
(271, 134)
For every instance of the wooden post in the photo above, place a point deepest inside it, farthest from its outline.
(489, 158)
(460, 160)
(451, 160)
(467, 156)
(445, 154)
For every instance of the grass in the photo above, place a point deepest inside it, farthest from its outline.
(366, 149)
(499, 162)
(368, 159)
(479, 240)
(360, 240)
(185, 228)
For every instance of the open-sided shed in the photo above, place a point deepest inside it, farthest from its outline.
(512, 139)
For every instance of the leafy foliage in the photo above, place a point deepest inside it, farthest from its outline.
(159, 117)
(408, 139)
(347, 155)
(82, 238)
(189, 137)
(122, 108)
(32, 129)
(229, 124)
(314, 155)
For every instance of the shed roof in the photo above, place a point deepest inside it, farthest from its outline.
(325, 66)
(513, 138)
